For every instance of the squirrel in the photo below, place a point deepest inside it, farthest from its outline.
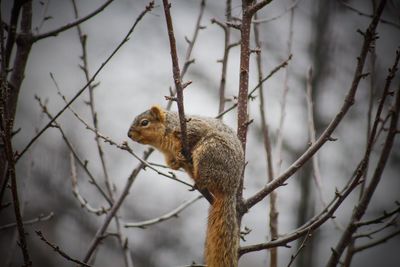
(216, 164)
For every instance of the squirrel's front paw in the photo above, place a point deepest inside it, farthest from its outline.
(173, 163)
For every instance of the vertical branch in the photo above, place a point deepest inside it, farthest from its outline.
(243, 82)
(6, 129)
(179, 88)
(273, 213)
(9, 97)
(372, 57)
(361, 207)
(24, 44)
(311, 129)
(279, 133)
(227, 38)
(249, 8)
(117, 204)
(177, 79)
(85, 68)
(189, 50)
(12, 33)
(244, 74)
(191, 43)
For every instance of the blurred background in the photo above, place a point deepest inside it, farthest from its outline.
(324, 37)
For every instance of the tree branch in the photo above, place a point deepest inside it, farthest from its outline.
(55, 32)
(177, 80)
(59, 251)
(363, 203)
(369, 36)
(40, 218)
(149, 7)
(174, 213)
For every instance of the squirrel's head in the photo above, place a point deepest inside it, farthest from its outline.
(149, 126)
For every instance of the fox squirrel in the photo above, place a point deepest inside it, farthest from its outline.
(216, 165)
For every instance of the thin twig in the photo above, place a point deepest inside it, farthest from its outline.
(273, 213)
(6, 124)
(302, 245)
(59, 250)
(92, 179)
(72, 24)
(179, 91)
(377, 242)
(177, 80)
(40, 218)
(362, 205)
(314, 222)
(191, 42)
(250, 95)
(189, 50)
(174, 213)
(369, 36)
(383, 21)
(117, 204)
(267, 20)
(279, 132)
(149, 7)
(392, 222)
(75, 190)
(124, 146)
(85, 68)
(380, 219)
(224, 61)
(311, 128)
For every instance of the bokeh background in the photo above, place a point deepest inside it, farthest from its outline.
(139, 75)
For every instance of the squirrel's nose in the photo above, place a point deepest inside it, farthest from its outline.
(130, 132)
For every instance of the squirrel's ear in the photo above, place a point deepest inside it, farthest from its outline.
(158, 112)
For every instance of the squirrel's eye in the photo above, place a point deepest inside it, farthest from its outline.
(144, 122)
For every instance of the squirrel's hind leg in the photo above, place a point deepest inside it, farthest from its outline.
(213, 167)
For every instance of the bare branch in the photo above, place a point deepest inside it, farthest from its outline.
(314, 222)
(117, 204)
(6, 125)
(273, 212)
(377, 242)
(369, 234)
(123, 146)
(177, 80)
(59, 251)
(75, 190)
(250, 95)
(224, 61)
(325, 136)
(189, 50)
(282, 65)
(279, 131)
(311, 128)
(149, 7)
(40, 218)
(72, 24)
(267, 20)
(362, 205)
(302, 245)
(383, 21)
(380, 219)
(257, 6)
(174, 213)
(191, 42)
(85, 69)
(92, 179)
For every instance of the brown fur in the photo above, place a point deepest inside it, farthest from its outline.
(217, 164)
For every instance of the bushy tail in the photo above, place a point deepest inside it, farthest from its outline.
(222, 241)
